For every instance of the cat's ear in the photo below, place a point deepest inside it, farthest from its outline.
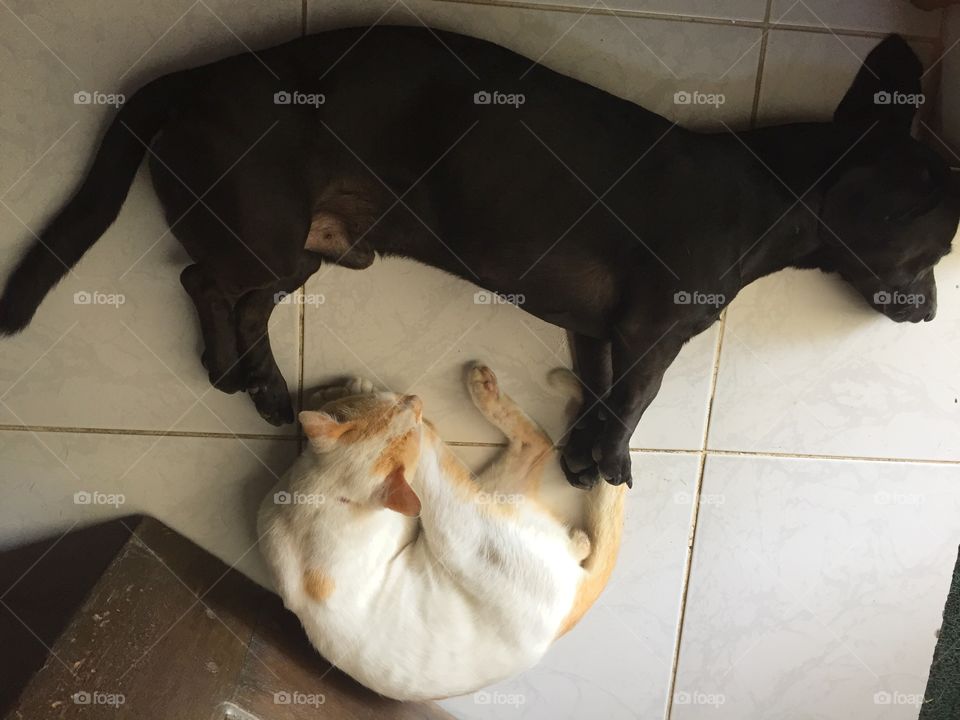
(397, 495)
(322, 429)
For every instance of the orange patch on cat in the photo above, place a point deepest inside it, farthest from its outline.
(396, 454)
(316, 585)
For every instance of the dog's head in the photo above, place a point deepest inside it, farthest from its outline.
(890, 206)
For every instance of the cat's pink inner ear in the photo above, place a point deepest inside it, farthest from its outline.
(398, 496)
(322, 429)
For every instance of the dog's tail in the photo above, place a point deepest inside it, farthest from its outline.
(94, 206)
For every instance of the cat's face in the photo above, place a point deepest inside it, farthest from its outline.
(370, 446)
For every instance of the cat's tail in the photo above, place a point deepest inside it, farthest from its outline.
(604, 526)
(94, 206)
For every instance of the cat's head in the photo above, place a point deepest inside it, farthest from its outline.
(369, 446)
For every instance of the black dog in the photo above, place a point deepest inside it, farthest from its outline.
(609, 220)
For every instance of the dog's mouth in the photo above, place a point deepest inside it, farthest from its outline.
(913, 315)
(912, 305)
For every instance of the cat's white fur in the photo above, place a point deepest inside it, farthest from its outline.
(415, 578)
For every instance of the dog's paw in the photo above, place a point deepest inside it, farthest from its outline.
(614, 464)
(584, 478)
(272, 400)
(228, 380)
(483, 387)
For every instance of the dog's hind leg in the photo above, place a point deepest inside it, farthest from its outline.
(220, 356)
(262, 377)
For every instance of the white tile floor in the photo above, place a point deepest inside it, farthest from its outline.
(797, 502)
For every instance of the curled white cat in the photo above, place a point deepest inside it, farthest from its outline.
(415, 577)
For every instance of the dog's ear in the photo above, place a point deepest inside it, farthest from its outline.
(886, 89)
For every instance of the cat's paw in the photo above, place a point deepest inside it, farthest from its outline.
(326, 394)
(359, 386)
(483, 387)
(579, 544)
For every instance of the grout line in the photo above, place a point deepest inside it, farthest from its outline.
(301, 324)
(713, 381)
(143, 433)
(935, 113)
(696, 19)
(66, 430)
(846, 458)
(760, 65)
(695, 513)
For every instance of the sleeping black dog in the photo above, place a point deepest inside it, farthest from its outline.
(610, 221)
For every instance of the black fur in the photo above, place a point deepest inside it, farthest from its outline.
(600, 213)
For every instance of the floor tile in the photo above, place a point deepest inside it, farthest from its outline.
(805, 75)
(135, 365)
(807, 367)
(877, 15)
(616, 662)
(208, 489)
(817, 588)
(726, 9)
(413, 329)
(645, 61)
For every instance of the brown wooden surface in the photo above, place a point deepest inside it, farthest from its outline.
(42, 585)
(177, 635)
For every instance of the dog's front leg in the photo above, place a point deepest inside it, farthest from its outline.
(594, 369)
(640, 356)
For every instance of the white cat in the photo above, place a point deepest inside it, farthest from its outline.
(416, 578)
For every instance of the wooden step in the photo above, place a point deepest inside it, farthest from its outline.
(171, 633)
